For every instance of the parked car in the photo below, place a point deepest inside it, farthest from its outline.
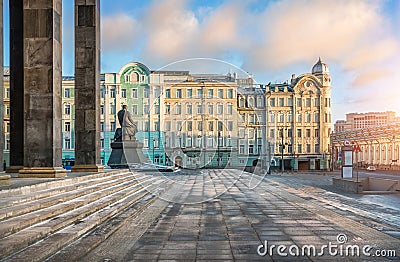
(371, 168)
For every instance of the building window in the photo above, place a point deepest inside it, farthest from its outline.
(189, 93)
(316, 148)
(7, 92)
(250, 102)
(178, 93)
(67, 143)
(299, 118)
(316, 102)
(7, 127)
(281, 101)
(189, 142)
(308, 117)
(290, 118)
(259, 101)
(298, 132)
(210, 93)
(134, 93)
(316, 133)
(290, 148)
(189, 126)
(251, 149)
(101, 126)
(308, 101)
(167, 109)
(156, 126)
(272, 102)
(211, 126)
(157, 109)
(102, 91)
(210, 109)
(200, 126)
(308, 132)
(146, 93)
(67, 126)
(168, 93)
(290, 132)
(8, 110)
(220, 109)
(178, 109)
(299, 148)
(220, 126)
(112, 126)
(220, 93)
(230, 109)
(67, 92)
(272, 118)
(308, 148)
(146, 109)
(272, 133)
(67, 109)
(168, 126)
(135, 109)
(189, 109)
(241, 149)
(230, 93)
(102, 110)
(102, 143)
(112, 109)
(199, 93)
(146, 143)
(199, 109)
(123, 93)
(281, 118)
(112, 92)
(299, 104)
(210, 144)
(316, 117)
(290, 101)
(7, 144)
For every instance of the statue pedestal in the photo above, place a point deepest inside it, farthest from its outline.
(125, 153)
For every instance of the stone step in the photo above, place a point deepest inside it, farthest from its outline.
(45, 228)
(14, 224)
(25, 190)
(60, 195)
(81, 238)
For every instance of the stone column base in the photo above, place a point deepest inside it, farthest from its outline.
(42, 172)
(5, 180)
(13, 169)
(87, 168)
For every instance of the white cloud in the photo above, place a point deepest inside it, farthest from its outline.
(119, 32)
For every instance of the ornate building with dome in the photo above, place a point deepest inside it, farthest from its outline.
(299, 120)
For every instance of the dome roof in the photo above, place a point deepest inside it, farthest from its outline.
(320, 68)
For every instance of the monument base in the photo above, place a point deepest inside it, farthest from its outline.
(125, 153)
(42, 172)
(5, 180)
(87, 168)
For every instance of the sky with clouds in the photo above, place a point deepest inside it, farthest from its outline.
(358, 39)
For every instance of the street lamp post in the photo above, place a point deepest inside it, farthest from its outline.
(154, 142)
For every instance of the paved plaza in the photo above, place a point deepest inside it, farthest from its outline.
(227, 215)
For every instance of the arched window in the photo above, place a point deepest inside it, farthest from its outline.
(134, 77)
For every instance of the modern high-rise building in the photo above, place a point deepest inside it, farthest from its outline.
(206, 120)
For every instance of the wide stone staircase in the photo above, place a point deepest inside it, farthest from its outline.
(40, 220)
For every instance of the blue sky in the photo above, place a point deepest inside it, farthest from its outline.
(358, 39)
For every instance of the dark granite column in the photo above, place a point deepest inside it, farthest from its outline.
(42, 89)
(87, 86)
(16, 86)
(2, 89)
